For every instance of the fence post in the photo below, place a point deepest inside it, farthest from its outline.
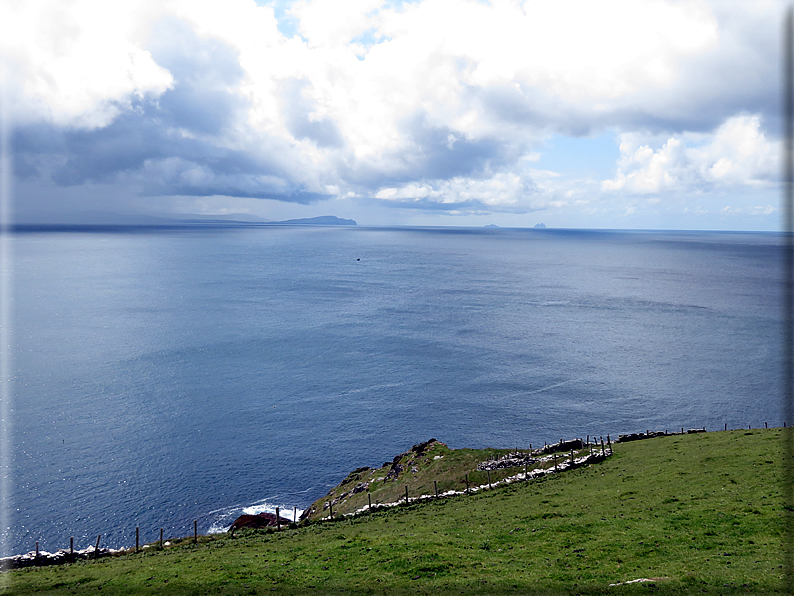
(331, 507)
(526, 471)
(602, 447)
(435, 487)
(406, 494)
(765, 425)
(295, 514)
(489, 478)
(37, 552)
(161, 538)
(71, 548)
(96, 546)
(467, 483)
(556, 469)
(195, 531)
(137, 538)
(369, 501)
(278, 520)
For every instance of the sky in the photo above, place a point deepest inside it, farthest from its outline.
(618, 114)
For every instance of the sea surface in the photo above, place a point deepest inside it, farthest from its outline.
(167, 375)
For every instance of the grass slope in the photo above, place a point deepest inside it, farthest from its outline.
(702, 513)
(435, 466)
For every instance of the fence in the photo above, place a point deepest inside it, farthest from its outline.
(550, 451)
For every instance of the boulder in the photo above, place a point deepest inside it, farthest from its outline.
(261, 520)
(420, 448)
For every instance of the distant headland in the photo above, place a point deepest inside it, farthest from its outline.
(242, 219)
(110, 221)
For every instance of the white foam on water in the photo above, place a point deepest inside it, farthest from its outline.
(223, 518)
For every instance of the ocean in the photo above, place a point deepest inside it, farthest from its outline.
(163, 376)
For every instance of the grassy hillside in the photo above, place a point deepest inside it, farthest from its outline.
(430, 468)
(699, 514)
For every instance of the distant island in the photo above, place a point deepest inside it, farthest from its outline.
(540, 226)
(491, 226)
(323, 220)
(102, 219)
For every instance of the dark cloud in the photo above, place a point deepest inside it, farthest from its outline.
(25, 168)
(297, 110)
(278, 191)
(205, 71)
(173, 145)
(435, 153)
(137, 148)
(441, 153)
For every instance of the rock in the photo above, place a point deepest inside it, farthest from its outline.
(575, 444)
(261, 520)
(509, 461)
(394, 472)
(420, 448)
(62, 556)
(639, 436)
(354, 475)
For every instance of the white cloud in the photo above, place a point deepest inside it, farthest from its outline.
(428, 103)
(77, 63)
(328, 23)
(736, 153)
(81, 55)
(440, 56)
(504, 191)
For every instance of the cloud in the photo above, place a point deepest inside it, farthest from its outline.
(434, 104)
(77, 64)
(505, 192)
(299, 114)
(205, 72)
(736, 153)
(325, 23)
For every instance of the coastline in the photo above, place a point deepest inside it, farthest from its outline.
(546, 455)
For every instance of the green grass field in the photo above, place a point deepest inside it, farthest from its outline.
(437, 468)
(699, 514)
